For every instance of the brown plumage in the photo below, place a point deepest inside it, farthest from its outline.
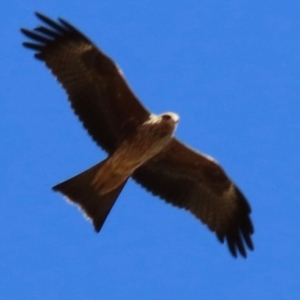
(138, 143)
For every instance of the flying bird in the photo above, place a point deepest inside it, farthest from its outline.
(139, 144)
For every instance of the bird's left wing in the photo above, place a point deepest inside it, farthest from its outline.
(95, 86)
(195, 182)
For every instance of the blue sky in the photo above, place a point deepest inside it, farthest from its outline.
(232, 72)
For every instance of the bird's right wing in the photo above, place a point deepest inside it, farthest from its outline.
(95, 86)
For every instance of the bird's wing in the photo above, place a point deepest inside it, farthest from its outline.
(95, 86)
(195, 182)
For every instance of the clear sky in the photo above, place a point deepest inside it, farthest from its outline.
(231, 70)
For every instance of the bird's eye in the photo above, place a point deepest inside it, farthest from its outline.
(166, 117)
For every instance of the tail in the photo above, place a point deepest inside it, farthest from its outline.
(80, 190)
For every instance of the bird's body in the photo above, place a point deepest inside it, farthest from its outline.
(139, 144)
(149, 139)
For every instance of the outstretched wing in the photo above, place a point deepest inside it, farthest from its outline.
(95, 86)
(192, 181)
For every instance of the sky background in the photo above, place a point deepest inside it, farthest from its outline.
(231, 70)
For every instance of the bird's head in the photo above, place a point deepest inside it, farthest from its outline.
(165, 124)
(169, 117)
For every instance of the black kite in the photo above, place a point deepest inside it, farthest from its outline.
(139, 144)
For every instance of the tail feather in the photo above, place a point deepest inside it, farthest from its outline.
(79, 189)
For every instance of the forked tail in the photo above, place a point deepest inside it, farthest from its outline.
(80, 190)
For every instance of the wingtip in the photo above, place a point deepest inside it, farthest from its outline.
(40, 15)
(238, 244)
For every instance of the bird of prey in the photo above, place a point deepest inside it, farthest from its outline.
(139, 144)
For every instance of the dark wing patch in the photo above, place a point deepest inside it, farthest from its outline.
(192, 181)
(95, 86)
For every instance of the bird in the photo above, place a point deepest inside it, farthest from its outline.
(139, 144)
